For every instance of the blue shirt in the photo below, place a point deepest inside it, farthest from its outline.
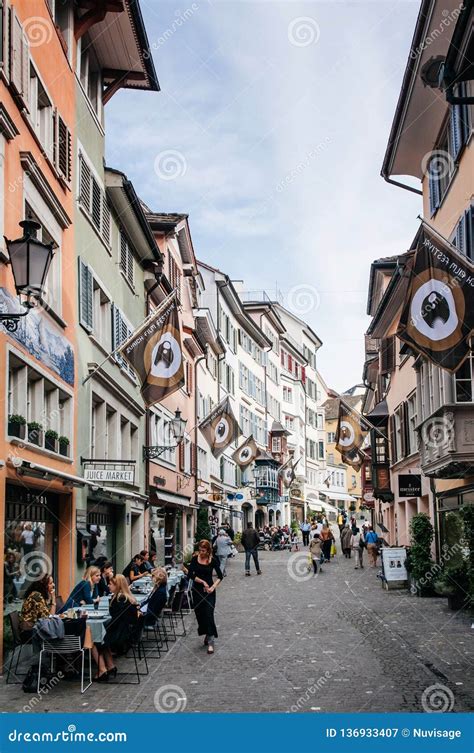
(81, 592)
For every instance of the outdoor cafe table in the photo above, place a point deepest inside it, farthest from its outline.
(98, 619)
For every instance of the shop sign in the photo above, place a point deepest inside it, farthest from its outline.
(110, 474)
(393, 563)
(409, 485)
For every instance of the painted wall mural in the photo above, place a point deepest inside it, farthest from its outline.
(42, 338)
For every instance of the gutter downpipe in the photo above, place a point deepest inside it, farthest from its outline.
(435, 516)
(195, 458)
(397, 183)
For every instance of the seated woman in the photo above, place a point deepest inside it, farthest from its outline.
(85, 592)
(119, 632)
(132, 571)
(106, 573)
(40, 601)
(158, 597)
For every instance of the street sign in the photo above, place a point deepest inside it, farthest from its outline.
(112, 473)
(409, 485)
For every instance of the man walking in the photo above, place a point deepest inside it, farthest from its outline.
(371, 539)
(250, 541)
(305, 529)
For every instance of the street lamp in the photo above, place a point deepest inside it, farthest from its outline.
(30, 260)
(178, 426)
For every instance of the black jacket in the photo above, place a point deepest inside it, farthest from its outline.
(250, 539)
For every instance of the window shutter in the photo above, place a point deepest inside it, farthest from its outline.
(303, 374)
(123, 253)
(5, 43)
(403, 430)
(85, 184)
(96, 204)
(470, 233)
(387, 354)
(455, 130)
(393, 442)
(290, 363)
(86, 293)
(106, 224)
(181, 456)
(62, 147)
(433, 191)
(461, 235)
(16, 52)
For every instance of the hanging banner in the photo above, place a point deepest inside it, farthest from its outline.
(350, 435)
(438, 315)
(220, 427)
(154, 351)
(246, 453)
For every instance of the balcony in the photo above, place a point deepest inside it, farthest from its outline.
(446, 442)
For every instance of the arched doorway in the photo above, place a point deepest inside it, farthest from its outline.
(247, 511)
(259, 519)
(278, 517)
(270, 517)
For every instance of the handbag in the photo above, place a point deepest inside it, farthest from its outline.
(333, 549)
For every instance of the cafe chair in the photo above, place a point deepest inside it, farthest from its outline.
(18, 642)
(174, 612)
(70, 644)
(138, 654)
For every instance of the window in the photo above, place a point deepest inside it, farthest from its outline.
(272, 372)
(63, 20)
(89, 74)
(464, 233)
(320, 421)
(102, 306)
(289, 423)
(450, 144)
(331, 458)
(202, 463)
(41, 113)
(331, 437)
(52, 289)
(126, 258)
(276, 444)
(121, 330)
(273, 407)
(412, 421)
(211, 362)
(93, 201)
(321, 450)
(162, 435)
(287, 395)
(174, 274)
(38, 399)
(227, 377)
(19, 56)
(464, 381)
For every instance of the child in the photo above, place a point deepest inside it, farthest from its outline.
(315, 552)
(294, 541)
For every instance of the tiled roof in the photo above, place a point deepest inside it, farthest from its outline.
(331, 406)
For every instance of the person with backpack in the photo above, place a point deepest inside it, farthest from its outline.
(250, 541)
(357, 545)
(371, 539)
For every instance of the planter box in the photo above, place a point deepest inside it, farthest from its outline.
(51, 444)
(64, 449)
(16, 430)
(35, 436)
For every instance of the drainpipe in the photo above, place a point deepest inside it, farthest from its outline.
(196, 398)
(401, 185)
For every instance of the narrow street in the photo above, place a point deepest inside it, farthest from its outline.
(287, 642)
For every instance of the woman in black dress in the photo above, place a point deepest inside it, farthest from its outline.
(118, 633)
(200, 571)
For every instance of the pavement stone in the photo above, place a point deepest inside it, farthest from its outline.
(290, 642)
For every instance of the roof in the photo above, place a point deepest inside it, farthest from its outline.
(388, 263)
(331, 406)
(164, 221)
(395, 294)
(420, 109)
(121, 44)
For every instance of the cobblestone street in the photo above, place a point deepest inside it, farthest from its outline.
(287, 642)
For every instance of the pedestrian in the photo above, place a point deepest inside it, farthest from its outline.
(357, 545)
(371, 539)
(200, 571)
(315, 552)
(223, 549)
(305, 529)
(327, 538)
(294, 541)
(346, 541)
(340, 521)
(250, 541)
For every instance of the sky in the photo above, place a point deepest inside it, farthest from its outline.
(269, 131)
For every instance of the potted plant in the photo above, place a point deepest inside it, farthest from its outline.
(467, 514)
(51, 440)
(419, 563)
(352, 507)
(237, 540)
(64, 446)
(454, 578)
(16, 425)
(35, 432)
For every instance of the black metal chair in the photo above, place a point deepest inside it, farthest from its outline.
(138, 654)
(18, 642)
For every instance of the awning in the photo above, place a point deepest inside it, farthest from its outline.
(121, 492)
(161, 498)
(319, 505)
(342, 496)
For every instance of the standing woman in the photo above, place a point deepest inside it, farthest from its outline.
(200, 570)
(327, 538)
